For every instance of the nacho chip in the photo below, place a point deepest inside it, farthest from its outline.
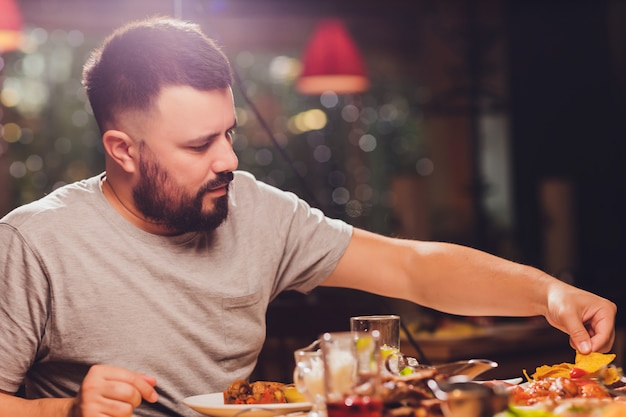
(594, 361)
(590, 364)
(552, 371)
(610, 375)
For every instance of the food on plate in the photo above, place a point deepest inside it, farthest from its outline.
(589, 383)
(554, 390)
(589, 366)
(571, 408)
(408, 389)
(409, 395)
(292, 395)
(260, 392)
(616, 409)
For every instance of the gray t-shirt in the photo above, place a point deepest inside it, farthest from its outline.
(80, 285)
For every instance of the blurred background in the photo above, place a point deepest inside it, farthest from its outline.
(491, 123)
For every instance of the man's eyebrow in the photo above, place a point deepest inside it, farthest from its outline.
(210, 136)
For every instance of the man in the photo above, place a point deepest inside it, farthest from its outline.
(124, 293)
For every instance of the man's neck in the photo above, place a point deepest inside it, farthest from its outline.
(129, 212)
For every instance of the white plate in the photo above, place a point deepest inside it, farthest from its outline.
(511, 381)
(213, 405)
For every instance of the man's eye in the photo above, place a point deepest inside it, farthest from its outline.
(230, 133)
(199, 148)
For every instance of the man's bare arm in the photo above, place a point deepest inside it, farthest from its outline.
(461, 280)
(11, 406)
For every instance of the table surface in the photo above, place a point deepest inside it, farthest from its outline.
(515, 347)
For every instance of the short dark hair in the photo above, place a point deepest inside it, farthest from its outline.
(137, 60)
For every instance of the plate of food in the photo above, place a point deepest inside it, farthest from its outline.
(588, 387)
(255, 399)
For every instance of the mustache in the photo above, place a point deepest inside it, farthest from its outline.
(222, 179)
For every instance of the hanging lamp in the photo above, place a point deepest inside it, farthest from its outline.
(332, 62)
(10, 25)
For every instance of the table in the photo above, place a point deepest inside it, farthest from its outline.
(517, 346)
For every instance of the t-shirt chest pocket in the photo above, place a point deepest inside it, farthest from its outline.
(243, 321)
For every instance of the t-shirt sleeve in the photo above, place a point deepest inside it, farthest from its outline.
(308, 244)
(23, 308)
(314, 245)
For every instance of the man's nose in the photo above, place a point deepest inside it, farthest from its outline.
(226, 160)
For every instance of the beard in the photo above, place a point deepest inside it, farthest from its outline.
(164, 202)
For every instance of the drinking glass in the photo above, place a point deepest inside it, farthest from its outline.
(389, 327)
(352, 373)
(387, 324)
(308, 377)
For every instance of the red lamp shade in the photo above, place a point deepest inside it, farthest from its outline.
(10, 25)
(332, 62)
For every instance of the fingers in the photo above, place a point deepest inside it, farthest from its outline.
(581, 345)
(598, 343)
(600, 327)
(123, 382)
(587, 318)
(113, 391)
(150, 380)
(579, 337)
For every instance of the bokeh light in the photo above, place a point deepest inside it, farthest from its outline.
(322, 153)
(284, 69)
(341, 195)
(17, 169)
(263, 157)
(329, 99)
(425, 167)
(367, 143)
(34, 163)
(11, 132)
(350, 113)
(354, 208)
(314, 119)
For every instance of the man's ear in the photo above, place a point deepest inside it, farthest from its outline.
(121, 148)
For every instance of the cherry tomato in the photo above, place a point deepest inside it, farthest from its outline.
(267, 396)
(577, 373)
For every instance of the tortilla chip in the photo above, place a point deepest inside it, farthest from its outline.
(594, 361)
(610, 375)
(552, 371)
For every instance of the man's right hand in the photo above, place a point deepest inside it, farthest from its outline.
(106, 391)
(112, 391)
